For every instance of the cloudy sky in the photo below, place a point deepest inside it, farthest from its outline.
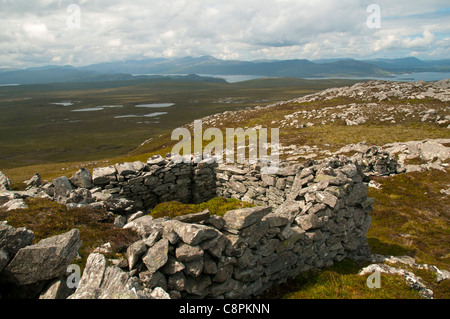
(82, 32)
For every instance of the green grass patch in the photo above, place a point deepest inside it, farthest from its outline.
(411, 217)
(341, 281)
(340, 135)
(216, 206)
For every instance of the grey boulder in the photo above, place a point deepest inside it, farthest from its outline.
(103, 175)
(13, 239)
(4, 182)
(82, 179)
(62, 187)
(100, 281)
(45, 260)
(242, 218)
(15, 204)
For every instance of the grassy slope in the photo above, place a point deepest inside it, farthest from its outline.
(410, 214)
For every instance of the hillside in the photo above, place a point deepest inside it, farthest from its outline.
(397, 133)
(377, 112)
(148, 68)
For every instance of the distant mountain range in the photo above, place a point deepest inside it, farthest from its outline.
(140, 69)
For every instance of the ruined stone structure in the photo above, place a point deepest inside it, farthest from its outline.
(309, 216)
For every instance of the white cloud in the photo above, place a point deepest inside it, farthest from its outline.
(36, 31)
(425, 41)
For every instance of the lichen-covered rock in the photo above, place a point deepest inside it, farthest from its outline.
(242, 218)
(145, 226)
(103, 175)
(156, 256)
(15, 204)
(4, 182)
(62, 188)
(13, 239)
(192, 234)
(45, 260)
(82, 179)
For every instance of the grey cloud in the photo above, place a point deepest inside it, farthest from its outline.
(252, 29)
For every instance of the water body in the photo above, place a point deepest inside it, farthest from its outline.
(111, 106)
(155, 114)
(418, 76)
(412, 77)
(63, 103)
(155, 105)
(234, 78)
(90, 109)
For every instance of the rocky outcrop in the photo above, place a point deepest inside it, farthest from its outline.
(43, 261)
(385, 90)
(393, 158)
(28, 270)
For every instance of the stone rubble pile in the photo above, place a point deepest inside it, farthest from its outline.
(393, 158)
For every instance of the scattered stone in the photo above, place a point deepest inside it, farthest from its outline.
(194, 218)
(159, 293)
(156, 160)
(135, 216)
(5, 183)
(62, 188)
(193, 234)
(14, 204)
(145, 226)
(415, 282)
(13, 239)
(34, 181)
(134, 253)
(186, 253)
(82, 179)
(57, 289)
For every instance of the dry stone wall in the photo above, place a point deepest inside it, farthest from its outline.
(309, 216)
(159, 180)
